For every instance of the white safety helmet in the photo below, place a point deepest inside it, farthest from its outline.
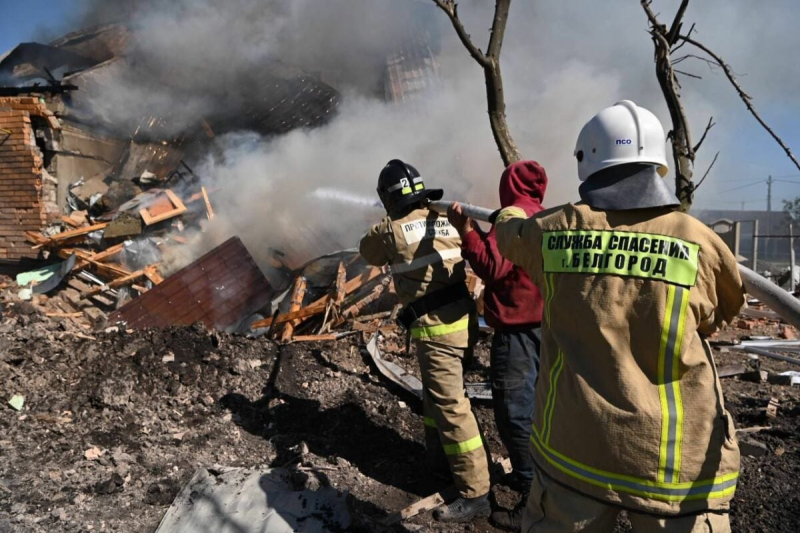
(620, 134)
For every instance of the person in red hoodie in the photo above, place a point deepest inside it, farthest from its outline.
(513, 307)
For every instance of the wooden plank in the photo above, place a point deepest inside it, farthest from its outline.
(298, 293)
(324, 337)
(108, 252)
(209, 209)
(152, 274)
(71, 234)
(105, 269)
(310, 310)
(319, 306)
(115, 283)
(35, 238)
(69, 222)
(179, 209)
(315, 338)
(365, 301)
(341, 284)
(426, 504)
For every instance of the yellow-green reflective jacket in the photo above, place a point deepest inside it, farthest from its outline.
(423, 252)
(629, 407)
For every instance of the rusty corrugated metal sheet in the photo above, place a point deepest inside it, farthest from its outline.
(220, 289)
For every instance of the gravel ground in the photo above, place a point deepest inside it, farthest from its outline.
(114, 426)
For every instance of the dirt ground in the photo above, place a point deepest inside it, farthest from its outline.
(114, 426)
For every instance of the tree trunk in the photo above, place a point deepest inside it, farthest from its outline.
(490, 63)
(682, 149)
(497, 114)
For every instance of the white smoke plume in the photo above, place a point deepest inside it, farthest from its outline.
(562, 61)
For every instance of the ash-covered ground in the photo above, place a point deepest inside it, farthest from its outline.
(113, 426)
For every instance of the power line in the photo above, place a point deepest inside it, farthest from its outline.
(776, 177)
(743, 186)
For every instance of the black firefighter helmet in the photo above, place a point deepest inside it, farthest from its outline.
(400, 186)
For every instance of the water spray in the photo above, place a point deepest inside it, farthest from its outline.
(774, 297)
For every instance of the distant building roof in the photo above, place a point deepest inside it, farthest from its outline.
(776, 219)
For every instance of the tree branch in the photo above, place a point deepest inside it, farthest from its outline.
(683, 43)
(699, 183)
(676, 23)
(680, 134)
(746, 98)
(688, 74)
(703, 138)
(649, 12)
(498, 28)
(450, 7)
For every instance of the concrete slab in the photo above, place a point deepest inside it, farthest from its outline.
(244, 500)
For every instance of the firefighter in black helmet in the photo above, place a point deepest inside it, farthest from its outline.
(423, 252)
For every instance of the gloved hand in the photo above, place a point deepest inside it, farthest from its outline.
(459, 220)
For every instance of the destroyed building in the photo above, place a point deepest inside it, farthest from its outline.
(52, 127)
(115, 195)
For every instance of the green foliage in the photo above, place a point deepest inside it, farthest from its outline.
(792, 207)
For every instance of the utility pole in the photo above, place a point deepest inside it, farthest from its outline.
(769, 213)
(791, 258)
(769, 194)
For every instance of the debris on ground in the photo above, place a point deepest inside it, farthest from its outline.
(116, 422)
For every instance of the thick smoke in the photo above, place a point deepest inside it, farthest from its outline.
(562, 62)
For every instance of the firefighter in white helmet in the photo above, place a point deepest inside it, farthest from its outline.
(629, 412)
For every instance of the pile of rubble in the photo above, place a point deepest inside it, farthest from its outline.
(112, 249)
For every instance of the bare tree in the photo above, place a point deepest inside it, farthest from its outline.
(490, 63)
(667, 41)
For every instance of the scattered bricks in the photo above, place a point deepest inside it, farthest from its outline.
(788, 332)
(73, 297)
(756, 376)
(772, 408)
(745, 324)
(752, 448)
(777, 379)
(78, 285)
(103, 301)
(95, 315)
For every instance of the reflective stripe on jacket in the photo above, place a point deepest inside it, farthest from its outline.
(423, 252)
(629, 406)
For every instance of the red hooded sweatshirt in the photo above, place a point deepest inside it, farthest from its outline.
(511, 300)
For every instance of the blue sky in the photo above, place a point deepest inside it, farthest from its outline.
(748, 155)
(27, 20)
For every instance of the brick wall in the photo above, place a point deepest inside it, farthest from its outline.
(26, 196)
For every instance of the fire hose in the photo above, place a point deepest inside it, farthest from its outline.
(777, 299)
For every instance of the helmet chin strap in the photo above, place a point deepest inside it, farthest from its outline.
(627, 187)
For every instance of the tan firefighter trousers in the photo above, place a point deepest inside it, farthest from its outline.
(449, 423)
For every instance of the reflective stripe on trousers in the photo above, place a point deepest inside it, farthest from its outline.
(446, 406)
(423, 332)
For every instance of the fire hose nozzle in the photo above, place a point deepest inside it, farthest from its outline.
(472, 211)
